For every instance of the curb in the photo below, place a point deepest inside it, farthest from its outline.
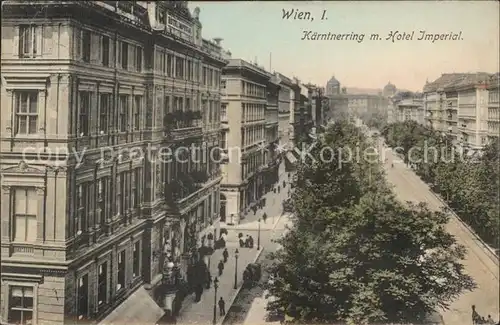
(490, 250)
(233, 298)
(256, 228)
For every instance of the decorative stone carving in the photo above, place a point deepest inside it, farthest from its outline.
(6, 189)
(22, 167)
(40, 190)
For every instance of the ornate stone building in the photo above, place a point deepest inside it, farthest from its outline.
(94, 96)
(244, 138)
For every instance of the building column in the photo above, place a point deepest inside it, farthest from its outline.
(7, 216)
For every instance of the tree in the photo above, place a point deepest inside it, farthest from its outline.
(376, 261)
(356, 254)
(470, 185)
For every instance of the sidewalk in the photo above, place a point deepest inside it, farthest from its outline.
(202, 312)
(273, 209)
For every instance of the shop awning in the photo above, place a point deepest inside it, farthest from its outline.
(138, 308)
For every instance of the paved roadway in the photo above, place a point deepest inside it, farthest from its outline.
(257, 312)
(479, 263)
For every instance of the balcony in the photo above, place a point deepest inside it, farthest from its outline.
(188, 188)
(181, 125)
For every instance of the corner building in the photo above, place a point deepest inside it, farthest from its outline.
(86, 225)
(244, 137)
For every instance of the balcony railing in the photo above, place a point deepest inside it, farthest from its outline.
(182, 124)
(188, 187)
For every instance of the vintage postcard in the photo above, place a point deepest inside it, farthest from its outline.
(250, 162)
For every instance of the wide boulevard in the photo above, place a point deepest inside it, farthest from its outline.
(480, 263)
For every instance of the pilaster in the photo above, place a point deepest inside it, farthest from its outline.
(6, 215)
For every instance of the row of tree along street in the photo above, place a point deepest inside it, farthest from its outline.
(355, 254)
(469, 184)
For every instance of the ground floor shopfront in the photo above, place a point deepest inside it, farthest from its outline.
(115, 281)
(238, 200)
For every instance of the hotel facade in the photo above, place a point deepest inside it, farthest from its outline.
(87, 222)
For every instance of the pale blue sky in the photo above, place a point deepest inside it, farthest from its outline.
(254, 29)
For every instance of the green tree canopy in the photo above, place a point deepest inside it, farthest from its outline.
(356, 254)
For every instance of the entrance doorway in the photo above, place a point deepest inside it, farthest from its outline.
(223, 202)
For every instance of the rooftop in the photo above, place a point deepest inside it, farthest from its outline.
(457, 80)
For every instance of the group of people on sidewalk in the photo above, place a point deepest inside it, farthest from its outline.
(247, 243)
(478, 319)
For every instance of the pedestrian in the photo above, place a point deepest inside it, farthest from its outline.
(222, 307)
(209, 279)
(247, 242)
(242, 243)
(225, 254)
(490, 320)
(475, 316)
(198, 291)
(250, 242)
(264, 217)
(221, 267)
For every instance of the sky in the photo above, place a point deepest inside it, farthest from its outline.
(257, 31)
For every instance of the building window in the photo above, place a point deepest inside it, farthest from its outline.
(125, 192)
(104, 109)
(137, 260)
(102, 192)
(179, 67)
(20, 305)
(83, 114)
(121, 271)
(102, 285)
(137, 112)
(25, 223)
(223, 113)
(223, 84)
(26, 108)
(86, 46)
(123, 112)
(28, 35)
(82, 297)
(105, 51)
(82, 207)
(124, 54)
(223, 142)
(169, 65)
(138, 58)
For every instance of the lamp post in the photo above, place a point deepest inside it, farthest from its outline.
(236, 255)
(216, 285)
(258, 237)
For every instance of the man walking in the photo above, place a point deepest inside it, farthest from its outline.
(221, 267)
(222, 307)
(225, 255)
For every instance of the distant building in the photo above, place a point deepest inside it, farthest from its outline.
(389, 90)
(362, 105)
(460, 105)
(407, 106)
(244, 135)
(493, 107)
(332, 87)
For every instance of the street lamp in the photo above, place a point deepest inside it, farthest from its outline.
(216, 285)
(258, 237)
(236, 255)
